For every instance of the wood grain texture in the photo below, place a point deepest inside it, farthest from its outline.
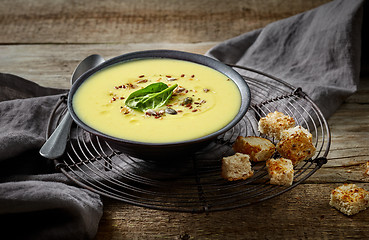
(131, 21)
(51, 65)
(302, 213)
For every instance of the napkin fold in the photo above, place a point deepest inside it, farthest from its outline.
(35, 201)
(318, 50)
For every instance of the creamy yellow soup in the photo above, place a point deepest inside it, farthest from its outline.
(100, 101)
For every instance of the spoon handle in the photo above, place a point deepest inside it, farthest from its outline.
(55, 145)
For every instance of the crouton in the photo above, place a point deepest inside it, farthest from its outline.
(236, 167)
(296, 130)
(280, 171)
(274, 123)
(349, 199)
(259, 149)
(296, 145)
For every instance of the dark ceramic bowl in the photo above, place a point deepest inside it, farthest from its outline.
(164, 150)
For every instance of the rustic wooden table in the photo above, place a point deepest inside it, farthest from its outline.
(44, 40)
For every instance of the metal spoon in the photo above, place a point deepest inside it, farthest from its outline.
(55, 145)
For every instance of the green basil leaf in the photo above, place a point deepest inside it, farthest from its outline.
(140, 95)
(153, 96)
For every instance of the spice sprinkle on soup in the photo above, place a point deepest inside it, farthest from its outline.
(157, 100)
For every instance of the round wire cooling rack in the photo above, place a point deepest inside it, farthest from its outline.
(195, 184)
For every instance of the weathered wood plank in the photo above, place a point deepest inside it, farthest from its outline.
(129, 21)
(51, 65)
(362, 94)
(302, 213)
(339, 175)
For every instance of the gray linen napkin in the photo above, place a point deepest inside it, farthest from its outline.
(318, 50)
(35, 201)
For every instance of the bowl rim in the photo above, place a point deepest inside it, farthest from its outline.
(171, 54)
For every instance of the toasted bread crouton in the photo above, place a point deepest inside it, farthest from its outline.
(280, 171)
(259, 149)
(274, 123)
(236, 167)
(296, 130)
(349, 199)
(367, 168)
(296, 145)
